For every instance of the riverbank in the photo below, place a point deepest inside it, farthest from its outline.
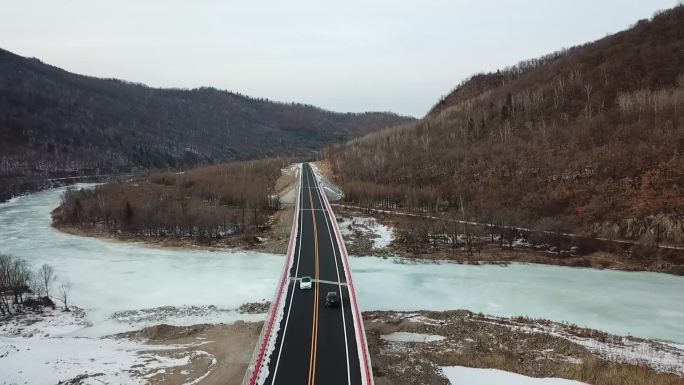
(415, 347)
(272, 239)
(11, 188)
(361, 242)
(451, 245)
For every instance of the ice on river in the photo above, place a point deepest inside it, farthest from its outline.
(646, 305)
(111, 277)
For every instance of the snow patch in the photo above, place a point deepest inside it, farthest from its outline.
(411, 337)
(164, 313)
(49, 323)
(380, 234)
(460, 375)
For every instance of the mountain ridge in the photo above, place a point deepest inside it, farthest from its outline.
(54, 123)
(588, 139)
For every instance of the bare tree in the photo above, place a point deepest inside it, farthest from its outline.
(36, 285)
(63, 293)
(5, 274)
(46, 277)
(19, 279)
(680, 80)
(15, 276)
(588, 88)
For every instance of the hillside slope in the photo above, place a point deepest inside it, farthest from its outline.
(589, 139)
(55, 123)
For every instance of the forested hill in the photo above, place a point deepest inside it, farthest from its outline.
(587, 139)
(55, 123)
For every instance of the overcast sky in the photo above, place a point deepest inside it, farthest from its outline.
(348, 55)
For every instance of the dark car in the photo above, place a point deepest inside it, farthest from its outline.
(332, 299)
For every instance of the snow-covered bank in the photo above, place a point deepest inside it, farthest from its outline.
(37, 348)
(663, 357)
(48, 360)
(410, 348)
(459, 375)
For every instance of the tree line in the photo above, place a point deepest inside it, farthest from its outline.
(207, 203)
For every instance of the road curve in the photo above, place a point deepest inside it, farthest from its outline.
(304, 341)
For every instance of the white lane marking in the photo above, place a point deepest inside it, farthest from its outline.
(297, 279)
(339, 284)
(289, 308)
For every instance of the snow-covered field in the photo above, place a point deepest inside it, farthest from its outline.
(459, 375)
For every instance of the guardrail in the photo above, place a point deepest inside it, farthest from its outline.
(359, 329)
(254, 369)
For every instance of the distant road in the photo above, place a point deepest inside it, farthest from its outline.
(305, 341)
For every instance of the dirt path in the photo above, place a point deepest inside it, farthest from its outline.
(215, 354)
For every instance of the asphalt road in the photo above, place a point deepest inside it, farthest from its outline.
(316, 344)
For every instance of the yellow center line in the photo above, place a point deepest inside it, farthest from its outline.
(314, 330)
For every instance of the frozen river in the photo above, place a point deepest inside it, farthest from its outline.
(111, 276)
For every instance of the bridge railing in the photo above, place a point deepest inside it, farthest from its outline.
(359, 329)
(254, 368)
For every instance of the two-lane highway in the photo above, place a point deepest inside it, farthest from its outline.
(315, 343)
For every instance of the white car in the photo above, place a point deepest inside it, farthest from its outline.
(305, 283)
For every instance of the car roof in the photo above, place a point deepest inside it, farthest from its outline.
(330, 293)
(307, 277)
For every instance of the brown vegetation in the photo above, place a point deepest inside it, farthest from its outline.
(435, 237)
(486, 342)
(588, 140)
(208, 203)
